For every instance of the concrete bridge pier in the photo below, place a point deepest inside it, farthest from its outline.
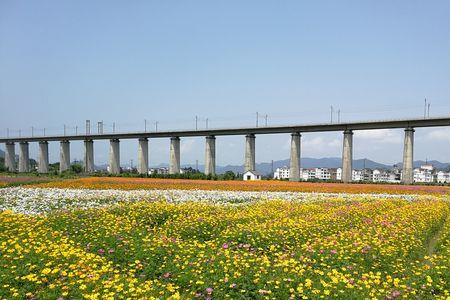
(174, 164)
(250, 164)
(143, 156)
(294, 171)
(347, 156)
(10, 157)
(89, 156)
(24, 157)
(210, 155)
(43, 157)
(64, 156)
(114, 156)
(408, 157)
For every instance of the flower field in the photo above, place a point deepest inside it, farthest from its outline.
(263, 185)
(193, 244)
(16, 180)
(33, 201)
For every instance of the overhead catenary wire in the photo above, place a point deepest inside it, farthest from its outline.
(220, 121)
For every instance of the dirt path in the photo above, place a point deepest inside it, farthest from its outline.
(433, 241)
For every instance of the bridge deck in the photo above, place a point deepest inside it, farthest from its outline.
(388, 124)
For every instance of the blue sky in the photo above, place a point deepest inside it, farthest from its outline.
(62, 62)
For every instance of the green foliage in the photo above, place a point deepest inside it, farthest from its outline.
(229, 175)
(76, 168)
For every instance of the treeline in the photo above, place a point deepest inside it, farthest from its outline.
(229, 175)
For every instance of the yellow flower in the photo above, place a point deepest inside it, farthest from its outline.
(46, 271)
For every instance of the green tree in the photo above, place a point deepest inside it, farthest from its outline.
(229, 175)
(76, 168)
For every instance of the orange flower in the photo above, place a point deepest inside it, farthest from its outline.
(264, 185)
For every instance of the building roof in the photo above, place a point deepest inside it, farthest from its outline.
(253, 172)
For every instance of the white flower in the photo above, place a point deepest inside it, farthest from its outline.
(33, 201)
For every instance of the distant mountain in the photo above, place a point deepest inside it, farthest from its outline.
(327, 162)
(437, 164)
(306, 162)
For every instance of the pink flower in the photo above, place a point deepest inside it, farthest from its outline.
(110, 251)
(209, 290)
(233, 285)
(167, 275)
(333, 251)
(365, 250)
(101, 251)
(395, 294)
(225, 246)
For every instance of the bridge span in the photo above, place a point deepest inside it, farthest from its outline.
(210, 148)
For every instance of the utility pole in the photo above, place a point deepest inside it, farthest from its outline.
(331, 116)
(429, 104)
(425, 109)
(272, 166)
(266, 119)
(156, 126)
(44, 131)
(257, 118)
(145, 125)
(207, 123)
(196, 122)
(88, 127)
(76, 130)
(64, 129)
(32, 131)
(114, 127)
(339, 116)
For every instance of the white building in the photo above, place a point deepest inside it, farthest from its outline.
(379, 176)
(317, 173)
(322, 174)
(251, 175)
(385, 176)
(282, 173)
(424, 174)
(158, 171)
(336, 174)
(357, 175)
(307, 174)
(442, 177)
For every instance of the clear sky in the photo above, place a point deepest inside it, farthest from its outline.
(62, 62)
